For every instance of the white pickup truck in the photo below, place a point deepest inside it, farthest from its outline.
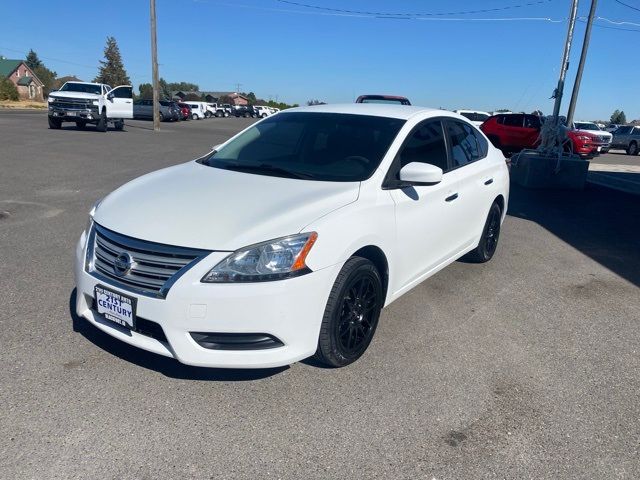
(95, 103)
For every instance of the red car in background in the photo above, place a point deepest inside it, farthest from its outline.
(185, 111)
(513, 132)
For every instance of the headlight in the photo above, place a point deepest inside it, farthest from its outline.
(92, 212)
(51, 99)
(273, 260)
(96, 102)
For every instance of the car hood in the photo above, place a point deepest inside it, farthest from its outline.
(91, 96)
(598, 133)
(193, 205)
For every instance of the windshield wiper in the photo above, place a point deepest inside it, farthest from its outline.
(265, 167)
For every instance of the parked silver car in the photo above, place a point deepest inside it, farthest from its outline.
(143, 109)
(627, 138)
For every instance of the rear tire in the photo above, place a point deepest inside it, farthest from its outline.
(195, 117)
(119, 125)
(161, 116)
(632, 149)
(490, 235)
(55, 123)
(102, 123)
(351, 315)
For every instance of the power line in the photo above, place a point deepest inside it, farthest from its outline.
(401, 15)
(628, 6)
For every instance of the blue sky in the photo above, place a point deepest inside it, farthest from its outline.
(295, 53)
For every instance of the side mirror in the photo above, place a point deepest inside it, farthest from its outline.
(110, 96)
(418, 173)
(215, 147)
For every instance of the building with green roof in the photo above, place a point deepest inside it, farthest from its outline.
(26, 81)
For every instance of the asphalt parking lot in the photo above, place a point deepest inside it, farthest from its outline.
(525, 367)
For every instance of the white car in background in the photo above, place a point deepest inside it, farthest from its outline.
(198, 110)
(604, 138)
(323, 215)
(263, 111)
(476, 117)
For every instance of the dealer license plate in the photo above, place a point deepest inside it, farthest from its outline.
(72, 114)
(116, 307)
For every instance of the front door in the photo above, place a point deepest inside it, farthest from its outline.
(425, 215)
(120, 102)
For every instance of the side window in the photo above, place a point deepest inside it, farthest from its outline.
(464, 143)
(123, 92)
(500, 119)
(531, 121)
(426, 144)
(513, 120)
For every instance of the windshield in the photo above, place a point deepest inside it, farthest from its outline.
(313, 146)
(586, 126)
(81, 87)
(475, 116)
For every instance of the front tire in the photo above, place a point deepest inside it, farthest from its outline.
(351, 315)
(102, 123)
(490, 235)
(55, 123)
(119, 125)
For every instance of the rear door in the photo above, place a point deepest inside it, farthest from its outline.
(473, 174)
(120, 102)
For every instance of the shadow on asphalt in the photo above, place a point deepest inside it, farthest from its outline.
(602, 223)
(164, 365)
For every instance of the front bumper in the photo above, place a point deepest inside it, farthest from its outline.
(73, 114)
(289, 310)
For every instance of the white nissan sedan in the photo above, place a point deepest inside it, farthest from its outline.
(287, 240)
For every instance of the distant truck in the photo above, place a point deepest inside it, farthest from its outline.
(213, 109)
(96, 103)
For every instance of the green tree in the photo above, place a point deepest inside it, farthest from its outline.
(183, 86)
(33, 61)
(618, 117)
(46, 76)
(8, 90)
(146, 91)
(112, 69)
(164, 91)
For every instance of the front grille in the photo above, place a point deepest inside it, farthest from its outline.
(73, 104)
(153, 267)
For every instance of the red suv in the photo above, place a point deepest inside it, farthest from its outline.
(512, 132)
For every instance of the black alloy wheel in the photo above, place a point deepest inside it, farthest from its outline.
(351, 315)
(490, 236)
(633, 149)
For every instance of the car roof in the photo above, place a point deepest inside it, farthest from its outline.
(403, 112)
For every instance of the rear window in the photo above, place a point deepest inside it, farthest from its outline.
(513, 120)
(315, 146)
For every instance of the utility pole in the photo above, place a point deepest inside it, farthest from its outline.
(565, 60)
(238, 85)
(583, 58)
(154, 67)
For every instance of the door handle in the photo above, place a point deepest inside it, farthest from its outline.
(451, 198)
(489, 182)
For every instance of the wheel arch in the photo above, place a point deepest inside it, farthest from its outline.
(376, 256)
(500, 201)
